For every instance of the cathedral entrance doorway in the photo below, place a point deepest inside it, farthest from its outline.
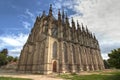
(54, 66)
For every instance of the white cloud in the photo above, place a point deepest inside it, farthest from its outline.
(102, 18)
(30, 14)
(13, 43)
(105, 56)
(26, 24)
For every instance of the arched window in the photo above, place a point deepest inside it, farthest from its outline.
(65, 53)
(54, 50)
(74, 57)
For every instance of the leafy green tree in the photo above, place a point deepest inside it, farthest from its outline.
(5, 52)
(15, 59)
(114, 58)
(3, 59)
(106, 64)
(10, 58)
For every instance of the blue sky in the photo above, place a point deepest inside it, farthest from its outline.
(17, 18)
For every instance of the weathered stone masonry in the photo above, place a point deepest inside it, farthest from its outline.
(54, 46)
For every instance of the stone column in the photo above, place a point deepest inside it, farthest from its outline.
(73, 64)
(80, 58)
(96, 59)
(69, 58)
(63, 59)
(92, 60)
(100, 60)
(77, 58)
(86, 57)
(35, 58)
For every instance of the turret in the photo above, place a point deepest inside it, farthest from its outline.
(59, 15)
(50, 10)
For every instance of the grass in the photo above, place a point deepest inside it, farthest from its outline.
(115, 75)
(9, 78)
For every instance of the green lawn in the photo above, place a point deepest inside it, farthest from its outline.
(9, 78)
(115, 75)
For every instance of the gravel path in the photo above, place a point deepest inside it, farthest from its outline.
(34, 77)
(30, 76)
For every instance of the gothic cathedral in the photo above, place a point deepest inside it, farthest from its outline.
(55, 46)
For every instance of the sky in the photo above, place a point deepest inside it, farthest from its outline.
(17, 17)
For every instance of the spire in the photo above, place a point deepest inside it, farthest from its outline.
(66, 17)
(91, 35)
(59, 15)
(78, 30)
(87, 29)
(43, 13)
(72, 21)
(83, 27)
(78, 26)
(94, 36)
(63, 15)
(50, 10)
(73, 24)
(67, 21)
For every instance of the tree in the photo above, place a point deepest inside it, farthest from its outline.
(106, 64)
(5, 52)
(114, 58)
(3, 59)
(15, 59)
(10, 58)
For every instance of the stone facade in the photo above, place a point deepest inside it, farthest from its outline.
(54, 46)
